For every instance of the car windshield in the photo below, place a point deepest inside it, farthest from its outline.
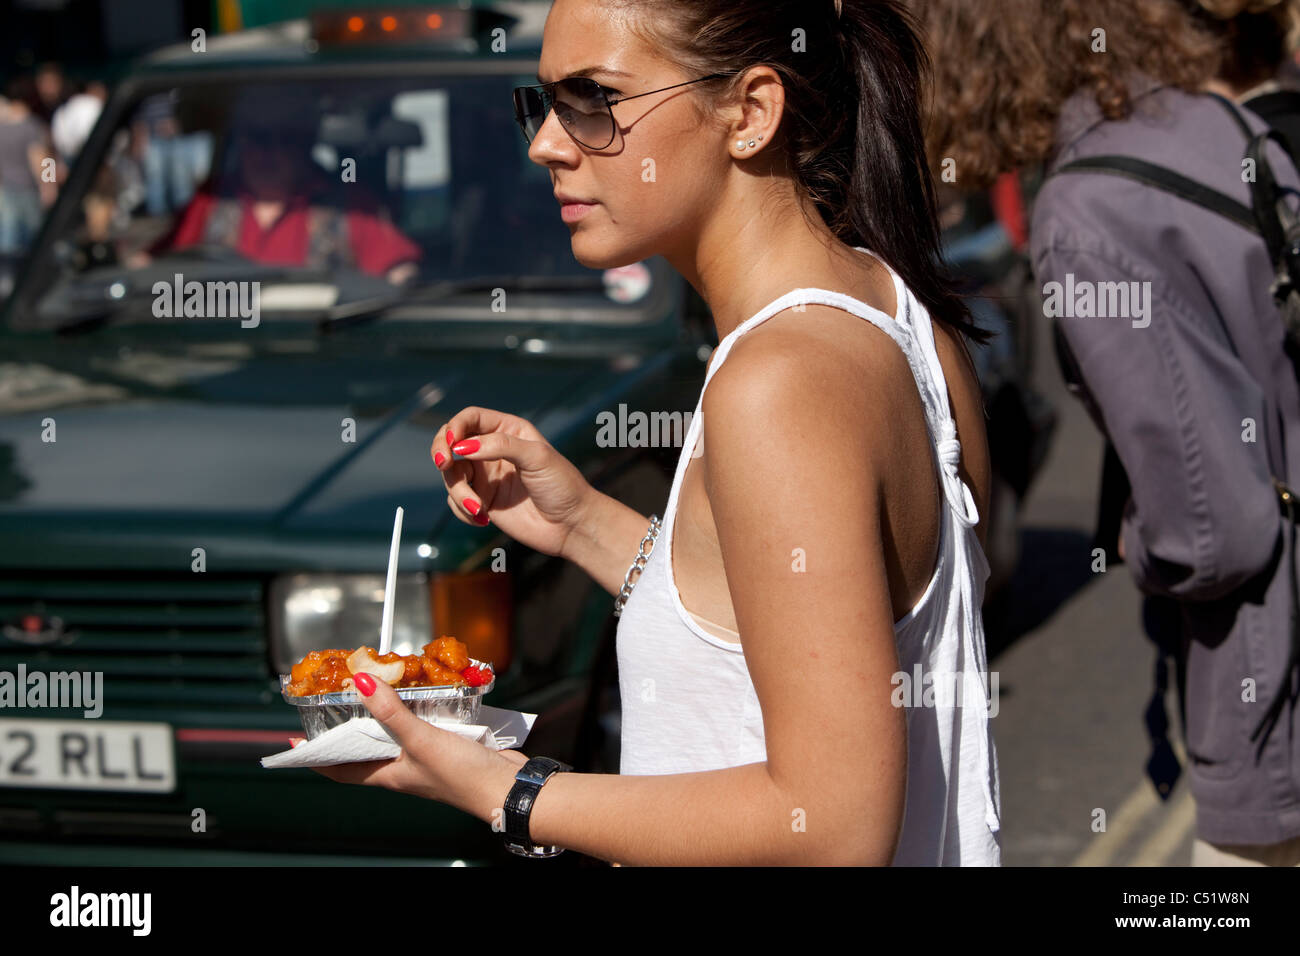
(321, 192)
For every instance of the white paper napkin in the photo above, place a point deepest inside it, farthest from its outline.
(364, 738)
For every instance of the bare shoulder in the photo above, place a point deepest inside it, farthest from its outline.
(828, 365)
(829, 376)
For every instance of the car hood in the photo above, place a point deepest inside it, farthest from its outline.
(286, 446)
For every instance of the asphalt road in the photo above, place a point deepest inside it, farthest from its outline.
(1075, 678)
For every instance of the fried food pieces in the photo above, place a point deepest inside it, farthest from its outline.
(444, 662)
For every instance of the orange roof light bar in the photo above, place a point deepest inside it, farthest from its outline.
(336, 28)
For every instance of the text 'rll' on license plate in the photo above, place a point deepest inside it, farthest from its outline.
(87, 755)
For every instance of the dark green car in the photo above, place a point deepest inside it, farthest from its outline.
(278, 265)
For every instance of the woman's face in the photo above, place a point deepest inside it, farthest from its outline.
(651, 187)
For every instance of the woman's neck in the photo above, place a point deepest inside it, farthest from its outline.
(1241, 92)
(740, 263)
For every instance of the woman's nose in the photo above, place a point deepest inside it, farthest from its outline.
(552, 144)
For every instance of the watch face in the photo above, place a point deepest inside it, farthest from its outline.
(537, 769)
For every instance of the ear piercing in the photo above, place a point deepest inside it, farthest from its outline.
(741, 144)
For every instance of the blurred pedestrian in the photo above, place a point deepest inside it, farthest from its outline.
(24, 192)
(1166, 309)
(51, 90)
(74, 120)
(1255, 64)
(174, 162)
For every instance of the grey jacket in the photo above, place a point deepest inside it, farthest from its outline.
(1200, 430)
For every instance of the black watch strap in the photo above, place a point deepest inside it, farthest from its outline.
(519, 805)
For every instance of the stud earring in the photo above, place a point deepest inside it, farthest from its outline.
(740, 144)
(751, 144)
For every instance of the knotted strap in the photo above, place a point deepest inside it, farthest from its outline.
(955, 489)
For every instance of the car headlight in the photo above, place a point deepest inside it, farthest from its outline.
(310, 612)
(314, 611)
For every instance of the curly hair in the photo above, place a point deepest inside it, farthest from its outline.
(1001, 76)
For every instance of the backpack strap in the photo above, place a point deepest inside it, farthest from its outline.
(1165, 179)
(1174, 183)
(1267, 204)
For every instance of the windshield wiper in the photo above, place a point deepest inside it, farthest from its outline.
(87, 302)
(361, 310)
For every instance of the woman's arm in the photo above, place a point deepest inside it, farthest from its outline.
(604, 540)
(792, 476)
(796, 440)
(796, 500)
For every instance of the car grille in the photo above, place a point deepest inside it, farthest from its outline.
(196, 639)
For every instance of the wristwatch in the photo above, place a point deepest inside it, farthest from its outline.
(519, 804)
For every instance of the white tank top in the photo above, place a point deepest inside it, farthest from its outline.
(678, 673)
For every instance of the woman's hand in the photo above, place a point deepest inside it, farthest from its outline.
(434, 763)
(508, 473)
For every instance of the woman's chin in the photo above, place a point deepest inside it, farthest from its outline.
(597, 255)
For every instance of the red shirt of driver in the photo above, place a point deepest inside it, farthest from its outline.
(377, 245)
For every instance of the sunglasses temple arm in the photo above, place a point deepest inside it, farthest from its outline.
(660, 90)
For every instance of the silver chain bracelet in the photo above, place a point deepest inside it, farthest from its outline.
(638, 565)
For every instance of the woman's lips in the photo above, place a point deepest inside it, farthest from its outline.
(573, 211)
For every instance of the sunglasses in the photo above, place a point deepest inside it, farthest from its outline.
(583, 106)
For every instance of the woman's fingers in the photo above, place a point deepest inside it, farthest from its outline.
(372, 773)
(524, 454)
(459, 510)
(472, 504)
(475, 422)
(469, 503)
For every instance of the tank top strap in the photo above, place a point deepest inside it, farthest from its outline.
(911, 330)
(921, 326)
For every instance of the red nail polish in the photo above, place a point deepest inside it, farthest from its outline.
(438, 458)
(451, 439)
(471, 506)
(364, 683)
(482, 519)
(466, 447)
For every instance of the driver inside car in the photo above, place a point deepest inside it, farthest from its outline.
(282, 208)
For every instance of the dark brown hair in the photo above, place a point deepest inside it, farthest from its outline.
(851, 131)
(1254, 35)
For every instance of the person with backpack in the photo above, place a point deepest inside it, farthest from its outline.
(1157, 250)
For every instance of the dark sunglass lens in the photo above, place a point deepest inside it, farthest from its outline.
(530, 110)
(582, 108)
(578, 102)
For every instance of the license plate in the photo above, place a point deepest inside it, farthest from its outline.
(87, 755)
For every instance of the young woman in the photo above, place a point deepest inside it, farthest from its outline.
(828, 542)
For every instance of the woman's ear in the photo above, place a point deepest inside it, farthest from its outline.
(756, 115)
